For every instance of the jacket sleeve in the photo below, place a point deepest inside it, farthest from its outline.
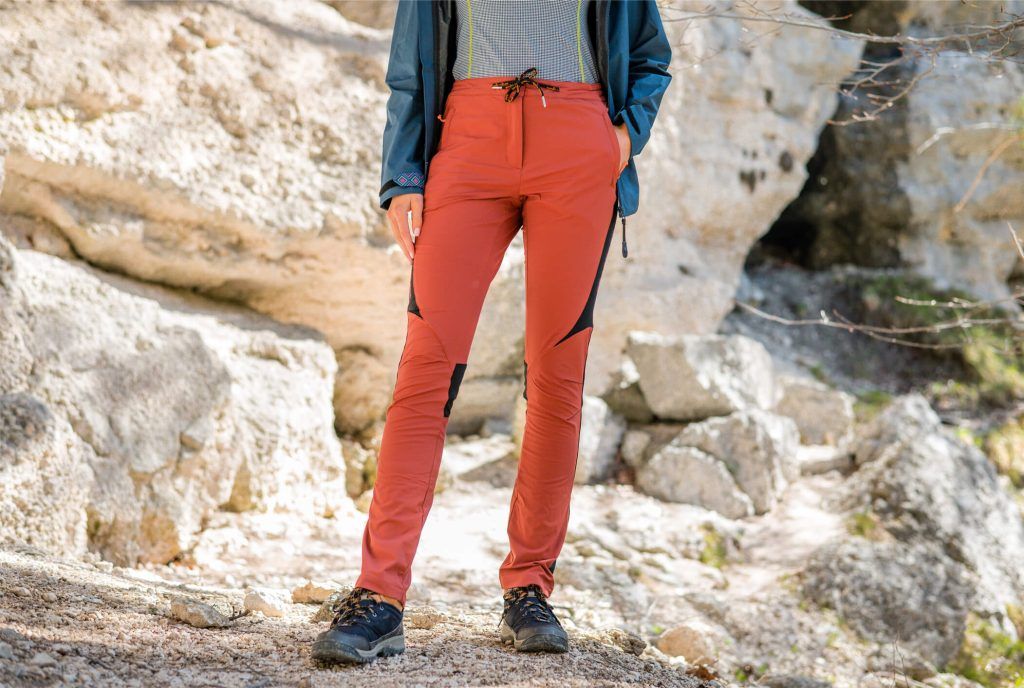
(649, 57)
(402, 160)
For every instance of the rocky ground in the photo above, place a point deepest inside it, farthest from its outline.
(69, 623)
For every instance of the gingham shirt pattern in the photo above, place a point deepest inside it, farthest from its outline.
(505, 37)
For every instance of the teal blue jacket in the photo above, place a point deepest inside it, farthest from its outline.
(632, 54)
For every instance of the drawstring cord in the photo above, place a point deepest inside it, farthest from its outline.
(527, 78)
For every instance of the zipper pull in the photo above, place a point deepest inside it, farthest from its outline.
(624, 251)
(618, 205)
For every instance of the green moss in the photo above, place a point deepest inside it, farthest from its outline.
(714, 553)
(870, 403)
(989, 355)
(1004, 446)
(864, 524)
(989, 656)
(969, 436)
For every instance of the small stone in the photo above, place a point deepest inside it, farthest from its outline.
(197, 614)
(626, 641)
(11, 635)
(313, 592)
(22, 592)
(423, 618)
(698, 642)
(49, 597)
(6, 651)
(41, 659)
(268, 602)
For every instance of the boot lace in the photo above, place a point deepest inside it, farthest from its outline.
(353, 607)
(532, 603)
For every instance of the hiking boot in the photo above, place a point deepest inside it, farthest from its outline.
(362, 630)
(529, 623)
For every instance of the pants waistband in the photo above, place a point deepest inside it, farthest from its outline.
(484, 86)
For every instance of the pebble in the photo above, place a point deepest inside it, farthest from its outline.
(6, 651)
(423, 617)
(11, 635)
(313, 592)
(268, 602)
(49, 597)
(42, 659)
(197, 614)
(22, 592)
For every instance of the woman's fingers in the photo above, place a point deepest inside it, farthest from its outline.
(417, 215)
(406, 216)
(625, 145)
(400, 236)
(396, 232)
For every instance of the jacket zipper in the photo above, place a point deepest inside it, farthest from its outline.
(600, 47)
(618, 206)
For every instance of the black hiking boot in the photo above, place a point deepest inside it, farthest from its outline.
(529, 623)
(362, 630)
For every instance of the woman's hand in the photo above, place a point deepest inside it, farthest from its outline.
(625, 145)
(398, 215)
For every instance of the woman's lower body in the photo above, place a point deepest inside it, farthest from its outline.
(551, 169)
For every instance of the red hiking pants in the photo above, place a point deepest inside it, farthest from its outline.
(500, 165)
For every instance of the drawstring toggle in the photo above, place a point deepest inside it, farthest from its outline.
(527, 78)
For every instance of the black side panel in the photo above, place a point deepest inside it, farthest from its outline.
(524, 379)
(586, 318)
(413, 307)
(453, 389)
(551, 568)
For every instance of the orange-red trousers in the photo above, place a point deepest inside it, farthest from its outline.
(550, 169)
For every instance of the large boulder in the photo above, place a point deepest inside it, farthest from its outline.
(236, 152)
(926, 485)
(158, 407)
(890, 592)
(946, 538)
(685, 474)
(758, 448)
(692, 377)
(44, 476)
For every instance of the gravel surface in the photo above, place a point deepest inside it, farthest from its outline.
(70, 623)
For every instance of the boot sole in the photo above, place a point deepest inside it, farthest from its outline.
(545, 642)
(333, 652)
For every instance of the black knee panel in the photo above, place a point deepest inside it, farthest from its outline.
(453, 387)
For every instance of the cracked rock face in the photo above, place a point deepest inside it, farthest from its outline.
(889, 592)
(889, 188)
(234, 149)
(948, 537)
(144, 410)
(692, 377)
